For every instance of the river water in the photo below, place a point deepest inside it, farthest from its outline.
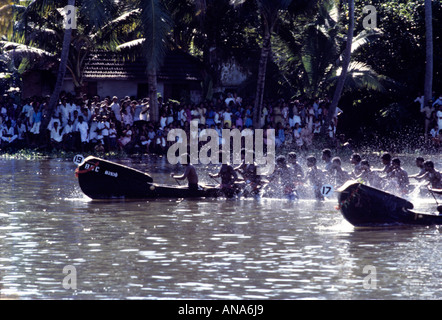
(56, 243)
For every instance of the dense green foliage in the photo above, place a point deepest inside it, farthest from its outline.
(399, 55)
(385, 76)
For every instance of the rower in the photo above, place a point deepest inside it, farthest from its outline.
(251, 177)
(327, 158)
(297, 172)
(369, 176)
(386, 161)
(339, 175)
(399, 175)
(243, 166)
(282, 178)
(228, 176)
(433, 176)
(189, 174)
(356, 161)
(420, 164)
(315, 176)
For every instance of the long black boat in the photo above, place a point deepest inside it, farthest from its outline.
(364, 206)
(103, 179)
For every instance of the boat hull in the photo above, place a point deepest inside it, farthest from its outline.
(364, 206)
(103, 179)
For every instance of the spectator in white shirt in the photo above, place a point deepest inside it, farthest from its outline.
(56, 136)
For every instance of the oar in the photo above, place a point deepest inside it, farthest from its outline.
(171, 175)
(439, 207)
(215, 180)
(417, 187)
(431, 191)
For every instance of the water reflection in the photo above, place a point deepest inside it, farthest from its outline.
(190, 249)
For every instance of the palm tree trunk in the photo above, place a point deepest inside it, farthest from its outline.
(428, 89)
(153, 99)
(260, 86)
(156, 24)
(343, 75)
(61, 71)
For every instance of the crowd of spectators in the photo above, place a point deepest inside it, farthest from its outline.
(432, 113)
(123, 124)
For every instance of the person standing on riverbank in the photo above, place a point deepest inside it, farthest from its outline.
(8, 134)
(427, 112)
(116, 109)
(439, 118)
(56, 136)
(83, 129)
(36, 123)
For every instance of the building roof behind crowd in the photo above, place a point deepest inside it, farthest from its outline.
(177, 66)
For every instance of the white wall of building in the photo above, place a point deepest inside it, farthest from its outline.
(119, 88)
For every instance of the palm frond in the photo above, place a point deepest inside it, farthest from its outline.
(15, 50)
(132, 45)
(328, 14)
(131, 50)
(12, 8)
(361, 76)
(45, 36)
(37, 7)
(123, 20)
(364, 37)
(97, 12)
(318, 54)
(157, 25)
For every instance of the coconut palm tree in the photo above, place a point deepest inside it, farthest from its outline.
(157, 24)
(39, 14)
(310, 52)
(345, 65)
(320, 49)
(152, 28)
(98, 12)
(53, 101)
(321, 55)
(8, 51)
(428, 88)
(38, 38)
(270, 12)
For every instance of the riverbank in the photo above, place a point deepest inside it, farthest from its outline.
(366, 148)
(368, 153)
